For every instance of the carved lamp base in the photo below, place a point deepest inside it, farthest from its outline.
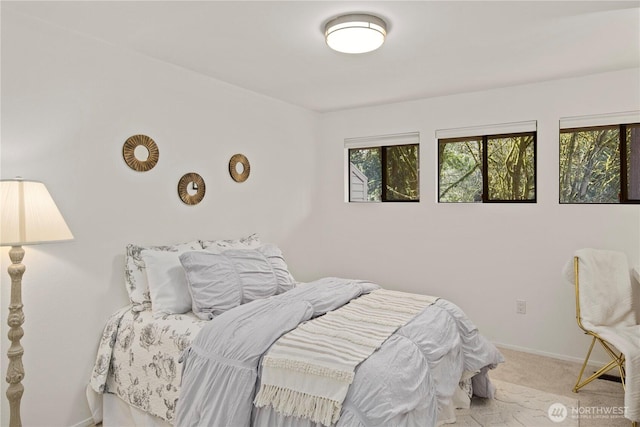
(15, 371)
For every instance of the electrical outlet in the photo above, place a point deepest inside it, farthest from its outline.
(521, 307)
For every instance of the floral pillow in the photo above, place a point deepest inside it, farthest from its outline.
(219, 246)
(135, 271)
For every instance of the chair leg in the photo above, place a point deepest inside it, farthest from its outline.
(616, 361)
(619, 360)
(584, 365)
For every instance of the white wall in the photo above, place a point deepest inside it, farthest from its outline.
(483, 257)
(68, 105)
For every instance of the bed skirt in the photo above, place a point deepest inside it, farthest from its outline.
(115, 412)
(112, 411)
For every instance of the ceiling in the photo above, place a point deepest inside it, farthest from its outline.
(433, 48)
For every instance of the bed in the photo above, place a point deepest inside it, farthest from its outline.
(218, 333)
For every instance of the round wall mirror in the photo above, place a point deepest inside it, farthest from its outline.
(239, 167)
(191, 188)
(140, 152)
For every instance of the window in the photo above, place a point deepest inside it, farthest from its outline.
(599, 164)
(460, 170)
(487, 168)
(388, 172)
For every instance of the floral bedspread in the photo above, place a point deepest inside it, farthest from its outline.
(138, 358)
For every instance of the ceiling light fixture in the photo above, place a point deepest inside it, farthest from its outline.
(355, 33)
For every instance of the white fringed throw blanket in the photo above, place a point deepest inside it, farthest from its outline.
(307, 372)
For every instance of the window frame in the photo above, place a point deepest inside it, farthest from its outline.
(624, 178)
(484, 139)
(623, 193)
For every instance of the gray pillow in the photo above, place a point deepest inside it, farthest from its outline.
(219, 282)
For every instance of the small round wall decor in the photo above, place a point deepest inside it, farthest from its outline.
(191, 188)
(129, 153)
(239, 167)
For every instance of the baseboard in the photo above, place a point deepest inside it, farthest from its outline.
(85, 423)
(592, 362)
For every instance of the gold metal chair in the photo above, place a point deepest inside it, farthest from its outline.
(617, 358)
(609, 312)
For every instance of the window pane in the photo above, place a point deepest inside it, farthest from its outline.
(633, 162)
(460, 171)
(402, 175)
(590, 166)
(511, 167)
(365, 175)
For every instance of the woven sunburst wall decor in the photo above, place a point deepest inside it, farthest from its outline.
(129, 148)
(233, 163)
(196, 183)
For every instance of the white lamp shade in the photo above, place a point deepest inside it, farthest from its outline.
(29, 215)
(355, 33)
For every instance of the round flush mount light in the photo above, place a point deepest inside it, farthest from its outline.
(355, 33)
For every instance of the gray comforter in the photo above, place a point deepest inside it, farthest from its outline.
(411, 377)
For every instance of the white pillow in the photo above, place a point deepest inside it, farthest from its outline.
(167, 282)
(135, 275)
